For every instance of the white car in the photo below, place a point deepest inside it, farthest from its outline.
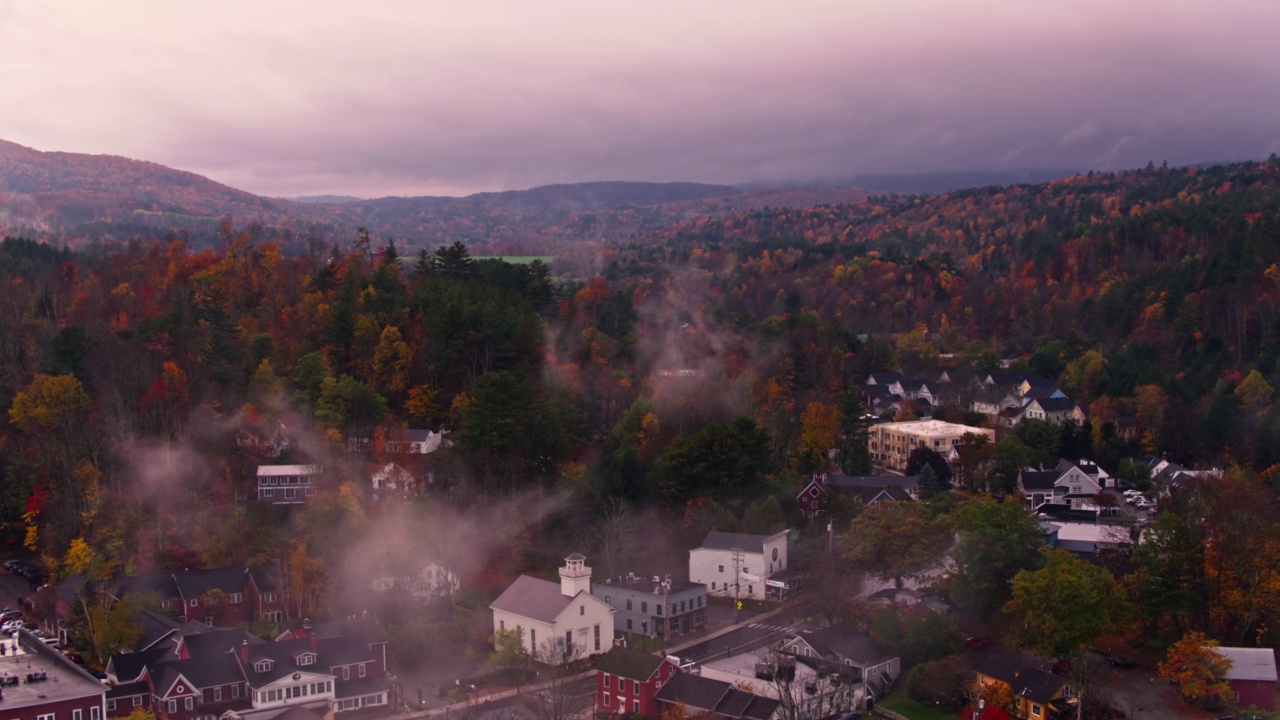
(1144, 503)
(1132, 493)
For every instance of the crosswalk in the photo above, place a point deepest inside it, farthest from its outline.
(770, 627)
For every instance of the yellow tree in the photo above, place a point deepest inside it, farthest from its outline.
(817, 436)
(392, 361)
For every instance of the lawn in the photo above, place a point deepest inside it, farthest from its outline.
(516, 259)
(898, 702)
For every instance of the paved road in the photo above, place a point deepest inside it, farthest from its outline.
(751, 635)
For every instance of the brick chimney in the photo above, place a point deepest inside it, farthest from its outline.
(244, 653)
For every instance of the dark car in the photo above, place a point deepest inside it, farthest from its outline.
(1118, 661)
(977, 642)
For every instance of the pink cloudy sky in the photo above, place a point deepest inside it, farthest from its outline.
(421, 97)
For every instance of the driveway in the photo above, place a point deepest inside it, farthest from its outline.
(1140, 693)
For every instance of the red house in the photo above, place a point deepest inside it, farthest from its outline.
(627, 680)
(1252, 676)
(39, 683)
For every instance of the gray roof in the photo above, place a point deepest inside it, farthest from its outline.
(844, 641)
(717, 540)
(1250, 663)
(1055, 404)
(706, 695)
(532, 598)
(1037, 479)
(61, 680)
(1025, 680)
(906, 482)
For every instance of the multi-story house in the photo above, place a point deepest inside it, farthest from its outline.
(206, 675)
(287, 484)
(557, 623)
(891, 444)
(628, 680)
(815, 498)
(843, 645)
(1036, 694)
(654, 606)
(232, 595)
(1074, 484)
(740, 565)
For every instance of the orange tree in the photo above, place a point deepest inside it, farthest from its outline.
(1197, 669)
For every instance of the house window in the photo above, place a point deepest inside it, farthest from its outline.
(262, 666)
(209, 621)
(306, 659)
(533, 640)
(137, 701)
(607, 700)
(721, 569)
(237, 598)
(607, 679)
(644, 606)
(111, 704)
(659, 607)
(713, 587)
(346, 672)
(1035, 711)
(50, 716)
(173, 706)
(189, 703)
(217, 694)
(77, 714)
(95, 713)
(628, 603)
(635, 706)
(193, 602)
(597, 630)
(502, 624)
(235, 691)
(361, 666)
(751, 589)
(268, 597)
(628, 624)
(582, 609)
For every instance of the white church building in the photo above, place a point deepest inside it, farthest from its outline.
(557, 623)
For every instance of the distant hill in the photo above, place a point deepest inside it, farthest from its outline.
(73, 199)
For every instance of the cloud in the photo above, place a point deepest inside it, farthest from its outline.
(411, 98)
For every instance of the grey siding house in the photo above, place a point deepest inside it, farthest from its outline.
(649, 605)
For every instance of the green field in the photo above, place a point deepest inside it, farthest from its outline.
(898, 702)
(516, 259)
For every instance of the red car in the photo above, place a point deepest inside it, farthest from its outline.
(977, 642)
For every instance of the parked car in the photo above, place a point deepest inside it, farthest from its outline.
(1119, 661)
(1143, 503)
(10, 614)
(977, 642)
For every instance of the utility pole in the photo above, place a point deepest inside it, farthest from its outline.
(830, 535)
(666, 608)
(737, 585)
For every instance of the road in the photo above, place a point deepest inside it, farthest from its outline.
(751, 636)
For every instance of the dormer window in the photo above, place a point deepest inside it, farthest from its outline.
(262, 666)
(307, 659)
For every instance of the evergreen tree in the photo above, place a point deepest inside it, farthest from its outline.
(854, 455)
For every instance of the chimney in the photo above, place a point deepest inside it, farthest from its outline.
(244, 653)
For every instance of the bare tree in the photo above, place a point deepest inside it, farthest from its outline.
(614, 535)
(807, 688)
(561, 700)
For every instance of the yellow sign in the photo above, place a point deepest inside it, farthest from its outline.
(739, 604)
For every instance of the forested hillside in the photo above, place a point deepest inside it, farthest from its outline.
(690, 378)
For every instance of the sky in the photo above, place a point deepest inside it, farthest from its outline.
(437, 97)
